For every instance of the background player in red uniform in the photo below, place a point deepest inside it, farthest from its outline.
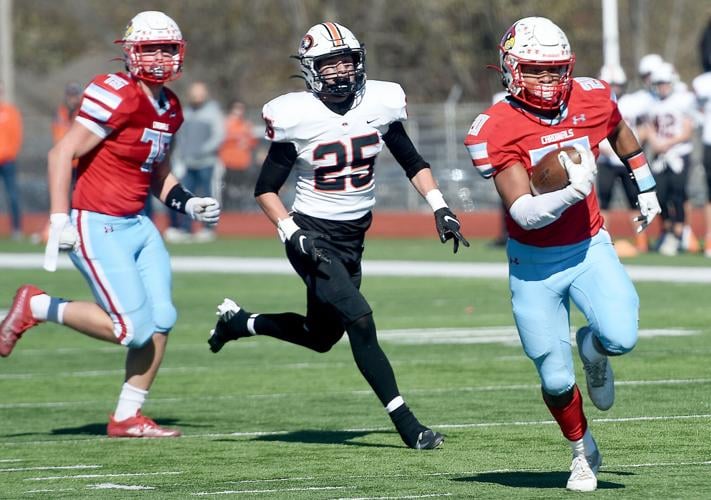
(121, 136)
(557, 248)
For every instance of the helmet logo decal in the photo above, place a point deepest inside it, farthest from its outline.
(509, 39)
(129, 30)
(306, 43)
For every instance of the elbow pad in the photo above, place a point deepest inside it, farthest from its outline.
(535, 212)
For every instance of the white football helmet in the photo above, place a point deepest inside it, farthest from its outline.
(150, 28)
(614, 75)
(648, 63)
(325, 40)
(536, 41)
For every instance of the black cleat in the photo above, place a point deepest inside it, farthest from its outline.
(232, 325)
(428, 440)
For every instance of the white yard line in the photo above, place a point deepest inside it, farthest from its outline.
(364, 392)
(51, 467)
(242, 265)
(95, 476)
(432, 495)
(279, 490)
(641, 418)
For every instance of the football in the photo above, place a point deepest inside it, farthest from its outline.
(549, 173)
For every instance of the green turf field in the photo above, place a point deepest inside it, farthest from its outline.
(263, 419)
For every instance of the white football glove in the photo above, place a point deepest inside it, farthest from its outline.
(205, 210)
(581, 175)
(648, 207)
(62, 236)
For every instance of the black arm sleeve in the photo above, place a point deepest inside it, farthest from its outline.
(276, 168)
(400, 145)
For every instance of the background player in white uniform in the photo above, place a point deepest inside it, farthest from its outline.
(611, 168)
(669, 134)
(702, 88)
(331, 135)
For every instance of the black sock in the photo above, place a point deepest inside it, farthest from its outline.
(371, 359)
(290, 327)
(407, 425)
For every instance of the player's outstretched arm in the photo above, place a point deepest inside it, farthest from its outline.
(447, 224)
(177, 198)
(625, 144)
(62, 235)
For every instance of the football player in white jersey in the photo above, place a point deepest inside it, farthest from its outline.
(611, 168)
(669, 134)
(702, 89)
(331, 135)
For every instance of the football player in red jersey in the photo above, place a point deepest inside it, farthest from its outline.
(121, 137)
(558, 249)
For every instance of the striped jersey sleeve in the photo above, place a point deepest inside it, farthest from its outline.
(101, 109)
(478, 147)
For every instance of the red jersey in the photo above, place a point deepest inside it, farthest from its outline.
(506, 134)
(114, 178)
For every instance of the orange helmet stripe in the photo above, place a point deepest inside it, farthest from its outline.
(334, 33)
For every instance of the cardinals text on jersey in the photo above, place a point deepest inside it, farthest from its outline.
(335, 153)
(114, 178)
(505, 134)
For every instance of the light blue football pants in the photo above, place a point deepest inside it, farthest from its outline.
(542, 282)
(127, 267)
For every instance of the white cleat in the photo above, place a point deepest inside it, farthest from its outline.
(582, 477)
(599, 377)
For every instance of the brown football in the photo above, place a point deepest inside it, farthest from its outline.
(549, 173)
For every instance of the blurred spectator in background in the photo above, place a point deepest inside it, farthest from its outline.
(611, 168)
(237, 156)
(10, 143)
(66, 111)
(669, 136)
(197, 146)
(702, 89)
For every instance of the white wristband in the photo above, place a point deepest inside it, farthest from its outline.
(435, 199)
(286, 227)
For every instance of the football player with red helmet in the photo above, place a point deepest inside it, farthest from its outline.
(558, 248)
(121, 137)
(331, 135)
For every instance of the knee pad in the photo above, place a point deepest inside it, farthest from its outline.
(164, 317)
(557, 383)
(362, 330)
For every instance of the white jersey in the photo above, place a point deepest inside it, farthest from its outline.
(335, 153)
(668, 117)
(634, 109)
(702, 89)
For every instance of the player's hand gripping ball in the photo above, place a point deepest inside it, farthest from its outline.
(549, 174)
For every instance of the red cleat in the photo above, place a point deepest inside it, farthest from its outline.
(19, 319)
(139, 426)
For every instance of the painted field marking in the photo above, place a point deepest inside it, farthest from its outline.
(51, 467)
(95, 476)
(279, 490)
(10, 460)
(432, 495)
(280, 266)
(112, 486)
(363, 392)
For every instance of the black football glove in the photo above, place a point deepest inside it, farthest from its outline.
(448, 227)
(307, 243)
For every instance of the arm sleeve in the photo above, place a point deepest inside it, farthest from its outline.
(403, 150)
(276, 168)
(535, 212)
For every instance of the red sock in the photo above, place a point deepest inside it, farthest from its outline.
(571, 418)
